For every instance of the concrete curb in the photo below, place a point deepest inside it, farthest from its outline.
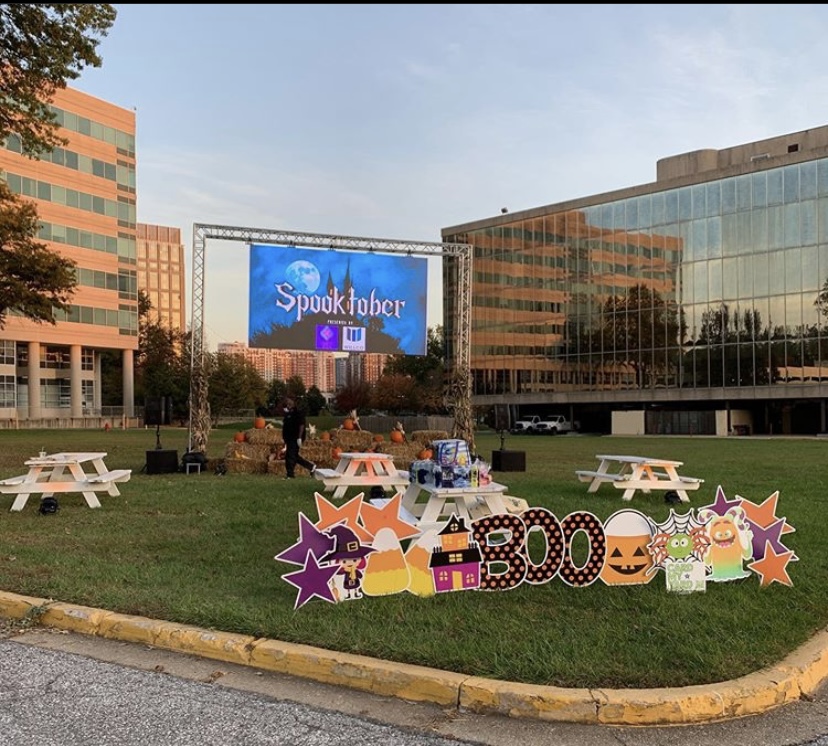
(798, 676)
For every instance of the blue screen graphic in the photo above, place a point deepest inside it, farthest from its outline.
(337, 301)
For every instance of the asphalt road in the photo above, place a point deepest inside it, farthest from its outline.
(65, 689)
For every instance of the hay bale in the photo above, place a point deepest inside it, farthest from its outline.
(245, 466)
(321, 453)
(427, 437)
(248, 451)
(353, 440)
(276, 467)
(402, 453)
(267, 436)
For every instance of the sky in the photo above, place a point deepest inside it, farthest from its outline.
(396, 121)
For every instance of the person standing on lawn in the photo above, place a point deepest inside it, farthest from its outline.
(293, 431)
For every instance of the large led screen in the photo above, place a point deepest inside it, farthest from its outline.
(337, 301)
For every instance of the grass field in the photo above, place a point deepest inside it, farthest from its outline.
(199, 549)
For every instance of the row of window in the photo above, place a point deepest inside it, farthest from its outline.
(125, 318)
(786, 185)
(125, 282)
(51, 356)
(123, 175)
(75, 123)
(55, 393)
(123, 245)
(123, 211)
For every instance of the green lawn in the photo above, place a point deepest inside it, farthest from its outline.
(199, 550)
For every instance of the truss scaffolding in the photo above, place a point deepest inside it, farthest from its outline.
(457, 259)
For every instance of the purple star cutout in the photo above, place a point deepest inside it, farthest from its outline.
(311, 539)
(770, 535)
(312, 581)
(722, 504)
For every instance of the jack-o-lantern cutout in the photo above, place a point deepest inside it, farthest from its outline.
(628, 561)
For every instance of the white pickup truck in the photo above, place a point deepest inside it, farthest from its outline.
(526, 425)
(553, 426)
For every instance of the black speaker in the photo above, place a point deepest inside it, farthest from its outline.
(158, 410)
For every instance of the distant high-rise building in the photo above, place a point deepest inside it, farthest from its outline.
(161, 273)
(314, 368)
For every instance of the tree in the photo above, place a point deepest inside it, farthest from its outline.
(315, 401)
(428, 371)
(353, 396)
(233, 384)
(42, 46)
(396, 393)
(34, 280)
(162, 367)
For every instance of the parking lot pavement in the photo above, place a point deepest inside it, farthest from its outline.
(68, 689)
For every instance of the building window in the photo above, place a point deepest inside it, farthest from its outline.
(6, 352)
(87, 359)
(8, 395)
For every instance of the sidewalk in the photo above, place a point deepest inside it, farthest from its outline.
(797, 677)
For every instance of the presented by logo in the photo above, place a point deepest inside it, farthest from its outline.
(353, 339)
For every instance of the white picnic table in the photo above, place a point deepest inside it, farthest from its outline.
(362, 470)
(65, 472)
(430, 504)
(634, 473)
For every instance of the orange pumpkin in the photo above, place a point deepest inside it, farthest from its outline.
(379, 438)
(336, 452)
(240, 436)
(397, 436)
(259, 423)
(348, 424)
(325, 435)
(426, 454)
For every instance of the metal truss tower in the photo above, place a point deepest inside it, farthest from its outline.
(457, 258)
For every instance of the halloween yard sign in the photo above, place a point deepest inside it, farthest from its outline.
(360, 549)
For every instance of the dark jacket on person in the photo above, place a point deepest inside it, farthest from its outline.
(293, 425)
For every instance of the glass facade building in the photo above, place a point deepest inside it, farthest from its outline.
(699, 294)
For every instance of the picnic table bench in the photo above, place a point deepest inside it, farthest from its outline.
(64, 472)
(634, 473)
(362, 470)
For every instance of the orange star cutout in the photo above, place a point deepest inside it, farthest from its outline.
(388, 516)
(765, 514)
(330, 515)
(772, 567)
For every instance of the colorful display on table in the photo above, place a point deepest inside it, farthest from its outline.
(337, 301)
(359, 549)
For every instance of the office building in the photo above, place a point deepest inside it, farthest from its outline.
(691, 304)
(85, 193)
(161, 273)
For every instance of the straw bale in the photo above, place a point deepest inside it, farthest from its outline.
(276, 467)
(245, 466)
(402, 453)
(427, 437)
(353, 440)
(268, 436)
(321, 453)
(247, 451)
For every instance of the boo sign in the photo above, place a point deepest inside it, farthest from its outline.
(337, 301)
